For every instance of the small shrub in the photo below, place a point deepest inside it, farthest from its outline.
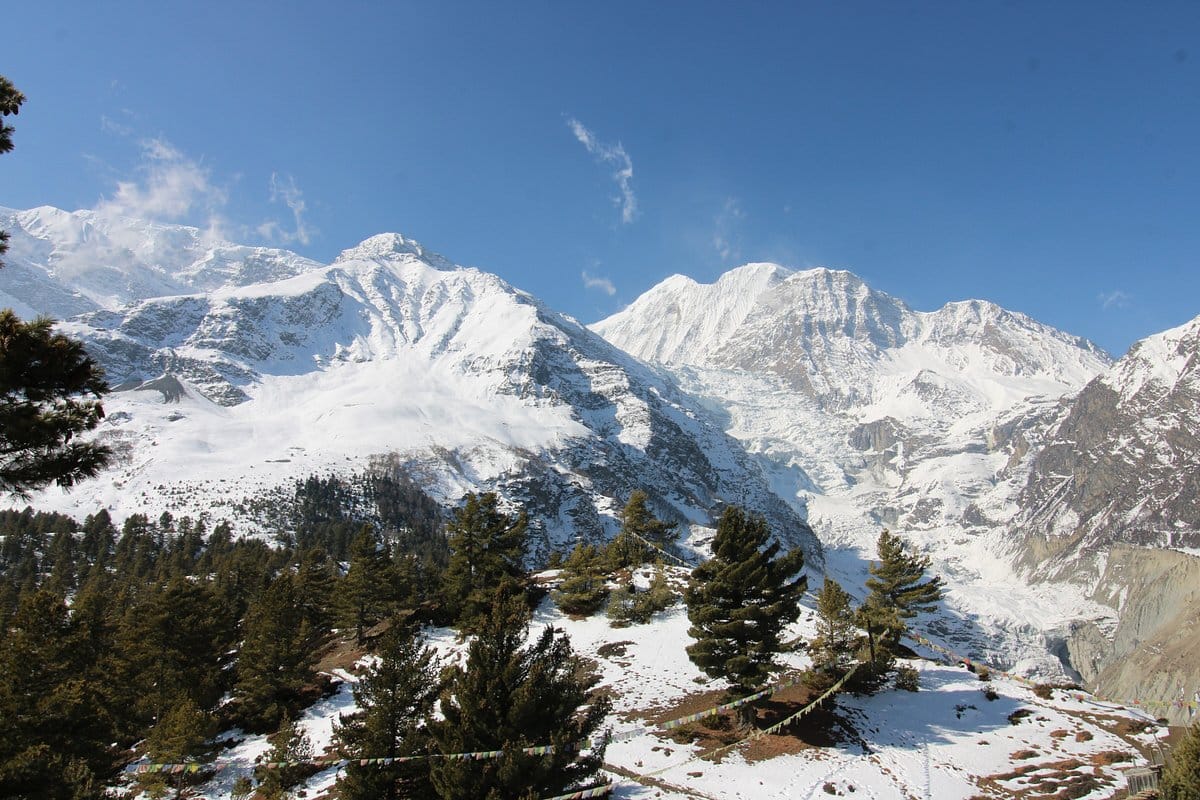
(1021, 713)
(908, 679)
(1023, 755)
(983, 673)
(1083, 736)
(991, 694)
(1044, 691)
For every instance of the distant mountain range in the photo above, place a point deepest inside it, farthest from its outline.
(1020, 458)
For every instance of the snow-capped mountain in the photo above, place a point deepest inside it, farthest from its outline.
(229, 391)
(869, 414)
(63, 263)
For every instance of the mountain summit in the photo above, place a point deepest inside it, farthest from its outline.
(390, 350)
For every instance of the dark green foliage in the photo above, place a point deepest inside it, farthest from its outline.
(897, 579)
(509, 697)
(362, 596)
(1181, 778)
(908, 679)
(172, 643)
(584, 585)
(486, 551)
(49, 394)
(395, 698)
(10, 105)
(740, 600)
(627, 605)
(898, 591)
(640, 529)
(837, 636)
(316, 583)
(54, 731)
(877, 650)
(181, 736)
(276, 659)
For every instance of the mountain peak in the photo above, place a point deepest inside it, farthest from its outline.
(389, 245)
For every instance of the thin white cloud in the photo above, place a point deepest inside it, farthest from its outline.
(110, 125)
(613, 155)
(596, 282)
(726, 230)
(169, 187)
(1114, 299)
(286, 192)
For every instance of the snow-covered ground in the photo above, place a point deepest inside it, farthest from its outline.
(946, 741)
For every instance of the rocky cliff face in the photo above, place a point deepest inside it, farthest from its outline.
(1154, 651)
(1110, 495)
(1123, 465)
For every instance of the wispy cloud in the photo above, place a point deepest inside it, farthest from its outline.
(726, 230)
(597, 282)
(1114, 299)
(613, 155)
(169, 187)
(285, 191)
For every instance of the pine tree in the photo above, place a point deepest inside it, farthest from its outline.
(510, 697)
(584, 586)
(46, 379)
(179, 737)
(54, 732)
(1181, 778)
(316, 583)
(10, 105)
(171, 643)
(276, 659)
(898, 591)
(833, 647)
(897, 579)
(628, 605)
(739, 602)
(395, 699)
(45, 382)
(291, 747)
(486, 550)
(362, 595)
(641, 533)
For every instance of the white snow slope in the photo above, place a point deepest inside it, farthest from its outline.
(868, 414)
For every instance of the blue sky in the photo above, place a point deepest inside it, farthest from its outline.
(1043, 156)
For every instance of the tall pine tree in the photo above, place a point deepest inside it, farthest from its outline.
(510, 697)
(395, 699)
(833, 647)
(898, 591)
(641, 532)
(740, 600)
(362, 596)
(487, 548)
(276, 658)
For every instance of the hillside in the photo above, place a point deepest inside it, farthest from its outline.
(946, 741)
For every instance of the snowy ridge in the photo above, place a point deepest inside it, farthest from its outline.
(868, 414)
(472, 384)
(66, 263)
